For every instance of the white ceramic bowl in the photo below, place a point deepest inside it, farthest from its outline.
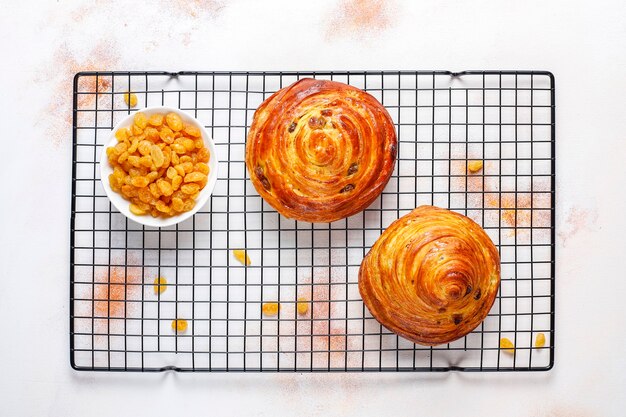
(123, 205)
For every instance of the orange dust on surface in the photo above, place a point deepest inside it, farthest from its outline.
(522, 209)
(577, 219)
(65, 64)
(195, 8)
(321, 339)
(562, 411)
(81, 12)
(112, 291)
(359, 18)
(181, 20)
(514, 208)
(191, 14)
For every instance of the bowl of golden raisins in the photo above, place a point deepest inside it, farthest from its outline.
(159, 166)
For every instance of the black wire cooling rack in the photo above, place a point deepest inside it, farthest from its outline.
(443, 119)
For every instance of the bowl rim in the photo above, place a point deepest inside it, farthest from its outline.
(122, 205)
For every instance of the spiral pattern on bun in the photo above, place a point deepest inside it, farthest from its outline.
(319, 150)
(431, 277)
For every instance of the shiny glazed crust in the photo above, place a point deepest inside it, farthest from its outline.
(319, 150)
(431, 277)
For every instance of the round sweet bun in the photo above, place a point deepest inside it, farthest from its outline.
(431, 277)
(320, 151)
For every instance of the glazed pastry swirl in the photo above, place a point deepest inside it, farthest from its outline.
(431, 277)
(319, 151)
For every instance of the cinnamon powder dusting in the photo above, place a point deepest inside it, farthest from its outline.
(195, 8)
(562, 411)
(113, 291)
(81, 12)
(517, 209)
(65, 64)
(514, 208)
(181, 20)
(317, 331)
(577, 219)
(359, 18)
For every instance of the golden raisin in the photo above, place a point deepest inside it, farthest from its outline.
(176, 181)
(178, 148)
(180, 170)
(303, 306)
(112, 152)
(190, 189)
(270, 309)
(203, 155)
(162, 207)
(179, 325)
(189, 145)
(134, 172)
(160, 285)
(540, 340)
(202, 168)
(121, 134)
(130, 99)
(113, 182)
(157, 156)
(507, 345)
(165, 187)
(187, 167)
(177, 204)
(174, 121)
(474, 166)
(133, 160)
(167, 157)
(121, 147)
(189, 204)
(137, 130)
(166, 135)
(154, 190)
(122, 158)
(143, 206)
(195, 177)
(146, 161)
(151, 134)
(144, 147)
(134, 145)
(242, 256)
(140, 120)
(140, 182)
(136, 210)
(144, 194)
(156, 120)
(192, 131)
(153, 175)
(117, 172)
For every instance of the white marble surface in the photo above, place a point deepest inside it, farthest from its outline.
(44, 43)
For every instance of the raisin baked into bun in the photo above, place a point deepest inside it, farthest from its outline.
(319, 150)
(431, 277)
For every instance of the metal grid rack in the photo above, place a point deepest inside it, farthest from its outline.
(443, 119)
